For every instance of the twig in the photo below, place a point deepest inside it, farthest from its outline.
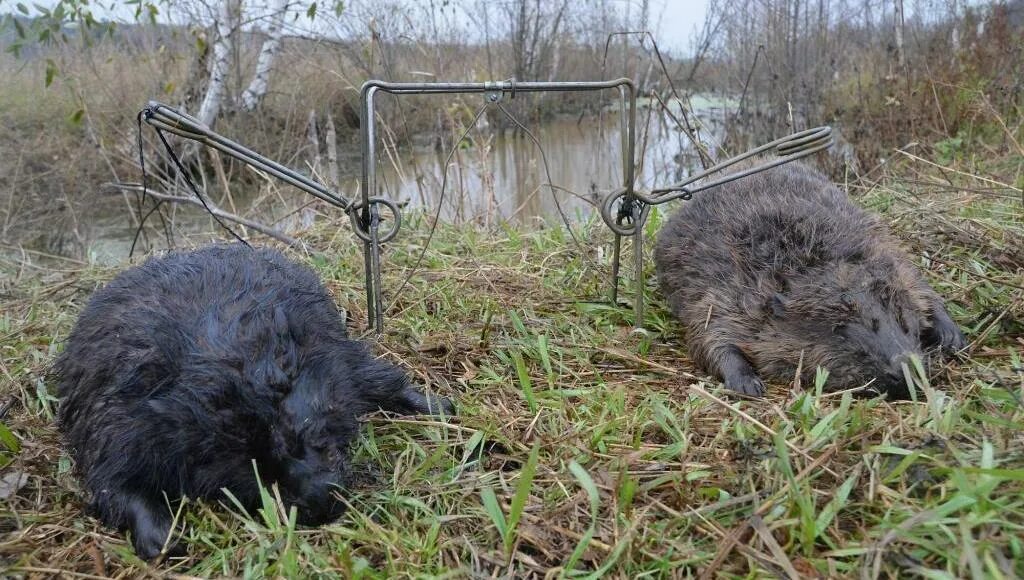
(56, 572)
(742, 533)
(254, 225)
(622, 354)
(958, 172)
(757, 523)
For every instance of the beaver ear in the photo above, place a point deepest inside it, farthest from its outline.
(776, 305)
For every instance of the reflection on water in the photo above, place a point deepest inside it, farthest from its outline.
(502, 175)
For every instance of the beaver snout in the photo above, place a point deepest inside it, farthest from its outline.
(316, 500)
(893, 380)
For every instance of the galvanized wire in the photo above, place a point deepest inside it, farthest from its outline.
(183, 174)
(172, 121)
(440, 200)
(165, 118)
(547, 170)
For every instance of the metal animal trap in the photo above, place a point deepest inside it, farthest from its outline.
(623, 209)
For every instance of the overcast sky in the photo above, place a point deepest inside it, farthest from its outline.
(672, 21)
(679, 19)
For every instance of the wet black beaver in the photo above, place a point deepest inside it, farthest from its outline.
(782, 265)
(183, 371)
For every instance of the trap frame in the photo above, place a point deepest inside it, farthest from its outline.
(624, 209)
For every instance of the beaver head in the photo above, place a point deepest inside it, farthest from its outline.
(860, 322)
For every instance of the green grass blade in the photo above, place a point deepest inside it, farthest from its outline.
(524, 381)
(828, 513)
(493, 509)
(588, 485)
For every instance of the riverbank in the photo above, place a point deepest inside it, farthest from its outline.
(642, 466)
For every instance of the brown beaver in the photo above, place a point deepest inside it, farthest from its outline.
(782, 265)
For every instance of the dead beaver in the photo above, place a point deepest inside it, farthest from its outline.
(782, 264)
(183, 371)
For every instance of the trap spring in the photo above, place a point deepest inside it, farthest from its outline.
(626, 219)
(168, 119)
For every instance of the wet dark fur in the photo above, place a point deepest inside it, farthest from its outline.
(182, 371)
(782, 263)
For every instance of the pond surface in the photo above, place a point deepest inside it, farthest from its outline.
(501, 176)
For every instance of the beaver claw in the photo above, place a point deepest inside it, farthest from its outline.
(150, 527)
(738, 375)
(749, 385)
(413, 402)
(945, 334)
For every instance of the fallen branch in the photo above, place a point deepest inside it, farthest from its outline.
(251, 224)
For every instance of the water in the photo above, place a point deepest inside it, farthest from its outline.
(493, 177)
(501, 176)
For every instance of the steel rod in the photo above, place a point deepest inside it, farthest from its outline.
(172, 121)
(494, 92)
(508, 86)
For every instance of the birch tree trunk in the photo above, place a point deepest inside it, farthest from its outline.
(954, 33)
(899, 33)
(253, 95)
(226, 24)
(308, 214)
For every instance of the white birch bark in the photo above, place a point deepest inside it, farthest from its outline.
(898, 18)
(954, 33)
(227, 22)
(334, 175)
(257, 89)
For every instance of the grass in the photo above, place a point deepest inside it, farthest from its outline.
(585, 449)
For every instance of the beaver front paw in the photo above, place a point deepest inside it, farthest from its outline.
(745, 384)
(945, 334)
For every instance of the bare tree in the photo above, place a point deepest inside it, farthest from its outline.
(534, 29)
(703, 41)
